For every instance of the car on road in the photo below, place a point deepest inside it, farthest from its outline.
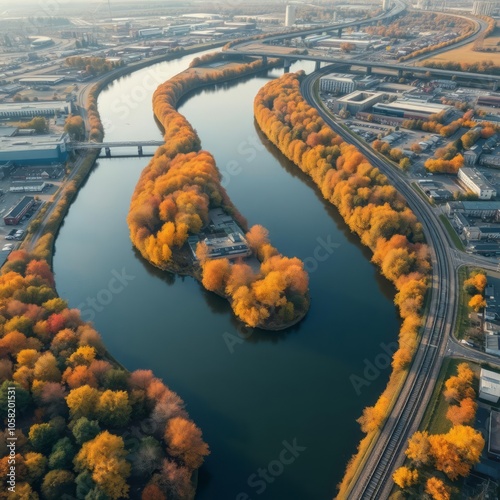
(9, 237)
(7, 247)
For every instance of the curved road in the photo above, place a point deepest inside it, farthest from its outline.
(375, 481)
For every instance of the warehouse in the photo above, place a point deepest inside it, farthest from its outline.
(489, 385)
(42, 80)
(16, 213)
(479, 209)
(411, 110)
(358, 101)
(34, 150)
(477, 183)
(32, 109)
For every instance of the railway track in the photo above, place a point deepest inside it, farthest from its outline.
(375, 481)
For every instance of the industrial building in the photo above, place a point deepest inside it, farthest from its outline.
(18, 110)
(15, 214)
(494, 435)
(290, 15)
(492, 161)
(492, 344)
(343, 83)
(42, 80)
(489, 385)
(34, 150)
(477, 183)
(411, 110)
(358, 101)
(478, 209)
(471, 156)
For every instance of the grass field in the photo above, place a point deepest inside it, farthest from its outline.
(453, 234)
(467, 55)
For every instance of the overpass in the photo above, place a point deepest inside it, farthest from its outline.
(107, 146)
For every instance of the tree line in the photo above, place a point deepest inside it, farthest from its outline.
(371, 207)
(75, 406)
(172, 201)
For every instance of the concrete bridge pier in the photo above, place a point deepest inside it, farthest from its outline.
(286, 66)
(264, 61)
(108, 152)
(368, 70)
(400, 73)
(139, 150)
(317, 66)
(340, 33)
(495, 86)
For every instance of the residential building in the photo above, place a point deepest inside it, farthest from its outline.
(489, 385)
(477, 183)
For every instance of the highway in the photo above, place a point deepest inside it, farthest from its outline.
(375, 480)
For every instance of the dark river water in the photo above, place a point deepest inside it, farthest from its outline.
(277, 409)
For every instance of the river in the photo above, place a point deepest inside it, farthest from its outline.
(254, 394)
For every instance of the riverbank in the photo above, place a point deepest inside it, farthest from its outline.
(174, 198)
(372, 209)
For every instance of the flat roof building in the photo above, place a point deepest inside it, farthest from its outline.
(489, 385)
(15, 214)
(494, 434)
(344, 83)
(492, 344)
(34, 150)
(32, 109)
(358, 101)
(478, 209)
(477, 183)
(42, 80)
(408, 109)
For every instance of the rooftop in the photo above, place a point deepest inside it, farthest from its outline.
(489, 382)
(360, 97)
(422, 107)
(476, 177)
(13, 107)
(494, 435)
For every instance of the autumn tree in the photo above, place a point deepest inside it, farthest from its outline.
(477, 303)
(57, 484)
(418, 450)
(437, 489)
(184, 441)
(463, 413)
(405, 477)
(84, 430)
(113, 408)
(104, 456)
(82, 402)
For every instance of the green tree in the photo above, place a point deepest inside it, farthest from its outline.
(58, 483)
(42, 437)
(23, 398)
(62, 454)
(84, 430)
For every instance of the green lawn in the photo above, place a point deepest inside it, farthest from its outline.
(463, 305)
(453, 234)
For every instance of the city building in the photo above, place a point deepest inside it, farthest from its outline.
(494, 435)
(477, 183)
(477, 209)
(147, 32)
(343, 83)
(358, 101)
(386, 4)
(290, 15)
(15, 214)
(411, 110)
(34, 150)
(471, 156)
(483, 8)
(38, 42)
(16, 110)
(492, 344)
(489, 385)
(492, 161)
(42, 80)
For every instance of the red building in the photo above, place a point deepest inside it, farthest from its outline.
(16, 213)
